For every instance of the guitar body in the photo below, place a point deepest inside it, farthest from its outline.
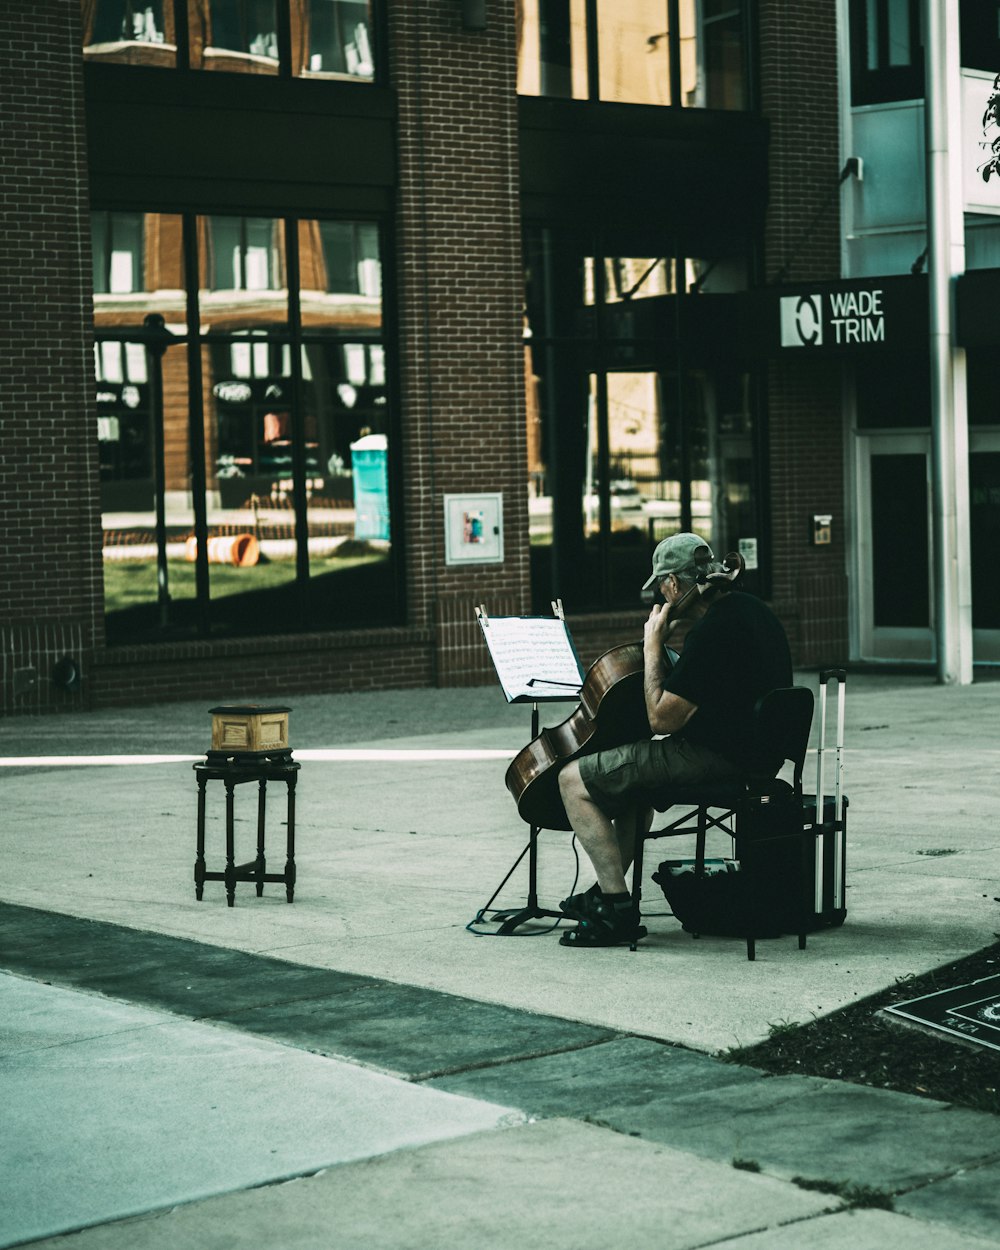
(612, 711)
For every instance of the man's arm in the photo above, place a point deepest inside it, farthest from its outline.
(667, 712)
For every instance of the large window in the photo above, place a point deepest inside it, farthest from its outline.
(686, 52)
(130, 32)
(887, 58)
(245, 455)
(637, 428)
(331, 39)
(887, 46)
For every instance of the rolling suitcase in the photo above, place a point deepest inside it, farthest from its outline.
(825, 814)
(788, 875)
(795, 845)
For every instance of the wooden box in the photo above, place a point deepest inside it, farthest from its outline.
(249, 730)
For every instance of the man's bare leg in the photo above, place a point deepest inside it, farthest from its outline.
(597, 834)
(626, 827)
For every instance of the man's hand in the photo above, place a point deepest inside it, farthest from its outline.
(667, 712)
(653, 630)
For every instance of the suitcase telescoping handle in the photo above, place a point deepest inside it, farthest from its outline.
(840, 677)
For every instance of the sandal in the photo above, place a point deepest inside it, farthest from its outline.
(602, 923)
(586, 934)
(578, 905)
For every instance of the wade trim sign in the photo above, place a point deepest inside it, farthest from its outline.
(838, 318)
(859, 314)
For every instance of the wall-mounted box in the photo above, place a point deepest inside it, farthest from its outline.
(473, 528)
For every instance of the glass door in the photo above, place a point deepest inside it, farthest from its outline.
(984, 523)
(894, 565)
(893, 559)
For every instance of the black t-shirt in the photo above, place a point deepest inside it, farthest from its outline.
(736, 653)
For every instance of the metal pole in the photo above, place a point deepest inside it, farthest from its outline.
(155, 347)
(946, 260)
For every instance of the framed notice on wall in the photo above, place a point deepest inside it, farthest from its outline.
(534, 657)
(473, 529)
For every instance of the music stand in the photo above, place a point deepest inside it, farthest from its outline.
(535, 662)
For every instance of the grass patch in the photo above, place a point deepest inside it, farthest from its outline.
(131, 583)
(853, 1195)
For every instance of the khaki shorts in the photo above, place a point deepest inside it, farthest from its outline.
(623, 777)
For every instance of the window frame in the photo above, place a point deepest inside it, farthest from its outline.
(886, 83)
(284, 69)
(671, 9)
(307, 611)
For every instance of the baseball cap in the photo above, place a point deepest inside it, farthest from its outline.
(685, 555)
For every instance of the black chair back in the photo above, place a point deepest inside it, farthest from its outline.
(784, 720)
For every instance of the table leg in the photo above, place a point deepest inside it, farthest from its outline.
(230, 859)
(290, 861)
(261, 865)
(199, 863)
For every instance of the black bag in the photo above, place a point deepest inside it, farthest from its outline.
(716, 902)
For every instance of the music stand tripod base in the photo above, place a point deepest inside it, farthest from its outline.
(514, 917)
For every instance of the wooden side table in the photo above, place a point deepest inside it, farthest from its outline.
(234, 771)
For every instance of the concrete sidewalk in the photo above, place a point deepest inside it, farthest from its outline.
(567, 1076)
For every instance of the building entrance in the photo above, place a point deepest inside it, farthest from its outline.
(894, 590)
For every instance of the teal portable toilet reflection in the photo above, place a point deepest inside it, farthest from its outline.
(369, 467)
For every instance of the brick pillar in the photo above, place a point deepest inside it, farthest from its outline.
(50, 557)
(798, 64)
(461, 297)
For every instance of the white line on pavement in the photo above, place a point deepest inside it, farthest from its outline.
(331, 755)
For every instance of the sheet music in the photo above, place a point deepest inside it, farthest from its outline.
(534, 657)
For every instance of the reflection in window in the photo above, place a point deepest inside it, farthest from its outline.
(559, 283)
(249, 479)
(341, 275)
(346, 413)
(630, 277)
(332, 39)
(620, 457)
(117, 253)
(886, 56)
(552, 48)
(124, 433)
(293, 482)
(133, 32)
(242, 273)
(633, 42)
(142, 582)
(717, 412)
(243, 254)
(641, 58)
(233, 35)
(250, 390)
(711, 37)
(891, 31)
(643, 459)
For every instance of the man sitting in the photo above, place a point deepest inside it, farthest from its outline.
(735, 652)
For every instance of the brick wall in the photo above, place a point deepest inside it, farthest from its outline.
(798, 64)
(798, 73)
(50, 574)
(461, 294)
(242, 670)
(461, 375)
